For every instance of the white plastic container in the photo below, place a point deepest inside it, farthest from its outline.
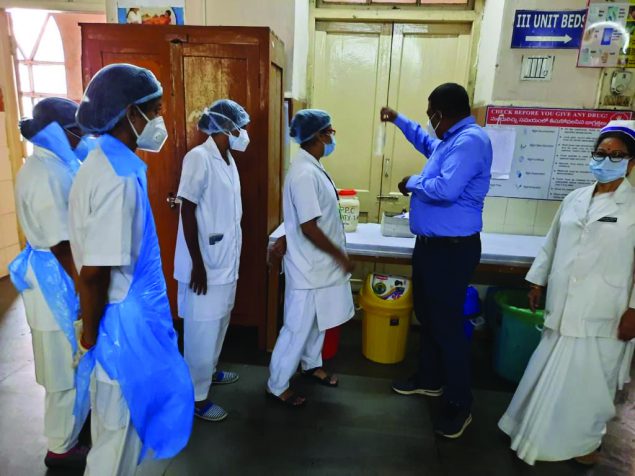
(396, 224)
(349, 209)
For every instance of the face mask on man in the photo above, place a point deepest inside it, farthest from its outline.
(239, 142)
(608, 171)
(153, 135)
(329, 147)
(432, 130)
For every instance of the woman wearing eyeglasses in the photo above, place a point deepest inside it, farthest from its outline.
(565, 398)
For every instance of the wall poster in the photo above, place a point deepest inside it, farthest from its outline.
(151, 12)
(552, 149)
(608, 39)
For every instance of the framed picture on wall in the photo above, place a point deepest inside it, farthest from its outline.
(151, 12)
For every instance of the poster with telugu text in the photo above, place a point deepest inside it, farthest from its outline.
(552, 149)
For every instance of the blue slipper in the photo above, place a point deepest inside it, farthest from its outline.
(210, 412)
(223, 378)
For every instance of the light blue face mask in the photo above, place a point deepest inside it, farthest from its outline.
(607, 171)
(329, 148)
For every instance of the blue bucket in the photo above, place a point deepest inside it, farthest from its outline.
(471, 308)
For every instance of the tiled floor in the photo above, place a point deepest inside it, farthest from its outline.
(359, 428)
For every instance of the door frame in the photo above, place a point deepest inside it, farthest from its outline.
(420, 15)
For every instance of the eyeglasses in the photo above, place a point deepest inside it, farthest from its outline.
(614, 157)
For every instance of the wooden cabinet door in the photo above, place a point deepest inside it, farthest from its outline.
(202, 74)
(147, 47)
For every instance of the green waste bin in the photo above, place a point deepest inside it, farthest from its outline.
(519, 333)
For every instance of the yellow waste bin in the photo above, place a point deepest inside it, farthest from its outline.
(387, 305)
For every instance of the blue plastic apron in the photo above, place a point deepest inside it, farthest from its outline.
(137, 344)
(56, 285)
(53, 138)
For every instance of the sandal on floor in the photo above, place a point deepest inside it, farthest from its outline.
(326, 380)
(293, 401)
(210, 412)
(224, 377)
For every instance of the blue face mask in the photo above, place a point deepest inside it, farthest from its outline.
(329, 148)
(607, 171)
(86, 144)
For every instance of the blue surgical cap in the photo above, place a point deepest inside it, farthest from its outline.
(223, 115)
(111, 91)
(60, 110)
(308, 122)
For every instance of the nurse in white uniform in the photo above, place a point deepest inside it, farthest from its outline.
(318, 291)
(565, 398)
(41, 194)
(140, 388)
(208, 247)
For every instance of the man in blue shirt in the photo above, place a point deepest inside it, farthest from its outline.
(446, 209)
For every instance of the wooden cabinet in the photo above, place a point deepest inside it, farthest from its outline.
(196, 66)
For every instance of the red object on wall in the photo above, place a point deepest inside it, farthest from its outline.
(331, 342)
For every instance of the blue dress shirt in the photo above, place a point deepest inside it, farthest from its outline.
(447, 198)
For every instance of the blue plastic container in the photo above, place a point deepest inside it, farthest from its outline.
(471, 308)
(472, 304)
(518, 336)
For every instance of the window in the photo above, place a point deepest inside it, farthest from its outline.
(39, 57)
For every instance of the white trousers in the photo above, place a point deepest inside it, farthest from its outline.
(203, 342)
(116, 445)
(300, 340)
(52, 356)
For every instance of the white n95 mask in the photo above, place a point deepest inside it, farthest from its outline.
(432, 130)
(240, 142)
(153, 135)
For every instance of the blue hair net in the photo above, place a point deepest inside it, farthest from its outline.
(60, 110)
(308, 122)
(111, 91)
(223, 115)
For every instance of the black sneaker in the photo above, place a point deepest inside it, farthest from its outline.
(453, 421)
(413, 387)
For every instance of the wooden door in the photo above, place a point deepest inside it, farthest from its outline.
(147, 47)
(423, 57)
(358, 68)
(202, 74)
(352, 66)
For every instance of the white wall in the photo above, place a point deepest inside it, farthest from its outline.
(491, 29)
(61, 5)
(300, 49)
(558, 91)
(9, 243)
(279, 15)
(498, 82)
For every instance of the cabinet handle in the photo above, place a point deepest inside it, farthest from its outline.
(172, 200)
(392, 198)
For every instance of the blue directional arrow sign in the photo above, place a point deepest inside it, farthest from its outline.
(548, 29)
